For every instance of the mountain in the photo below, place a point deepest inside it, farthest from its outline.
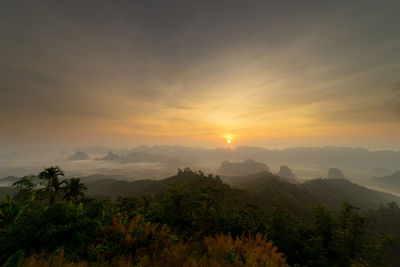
(8, 180)
(110, 156)
(98, 150)
(344, 157)
(330, 192)
(96, 177)
(79, 155)
(135, 157)
(114, 188)
(266, 189)
(286, 173)
(335, 173)
(246, 167)
(262, 189)
(391, 181)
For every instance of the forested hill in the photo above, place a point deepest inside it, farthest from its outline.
(329, 192)
(390, 182)
(115, 187)
(334, 191)
(262, 189)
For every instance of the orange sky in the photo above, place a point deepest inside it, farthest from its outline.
(274, 76)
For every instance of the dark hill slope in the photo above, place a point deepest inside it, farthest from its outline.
(114, 188)
(266, 189)
(389, 182)
(79, 155)
(8, 181)
(97, 177)
(331, 192)
(244, 168)
(263, 189)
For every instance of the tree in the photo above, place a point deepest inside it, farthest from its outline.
(25, 186)
(74, 190)
(53, 184)
(352, 233)
(25, 183)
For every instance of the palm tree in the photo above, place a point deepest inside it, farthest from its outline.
(53, 184)
(25, 183)
(74, 189)
(25, 186)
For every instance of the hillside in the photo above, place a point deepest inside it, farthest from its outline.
(330, 192)
(262, 189)
(79, 155)
(246, 167)
(114, 188)
(391, 181)
(8, 181)
(286, 173)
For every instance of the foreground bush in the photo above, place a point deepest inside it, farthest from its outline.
(219, 250)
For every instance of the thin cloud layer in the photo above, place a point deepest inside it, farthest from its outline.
(173, 72)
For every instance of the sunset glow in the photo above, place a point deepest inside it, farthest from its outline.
(316, 79)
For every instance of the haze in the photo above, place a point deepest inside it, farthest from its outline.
(262, 73)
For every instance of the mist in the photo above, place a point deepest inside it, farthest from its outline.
(161, 161)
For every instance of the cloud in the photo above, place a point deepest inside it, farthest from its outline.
(207, 67)
(395, 102)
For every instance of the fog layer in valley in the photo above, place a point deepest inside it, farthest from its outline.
(156, 162)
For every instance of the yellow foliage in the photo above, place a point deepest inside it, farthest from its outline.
(58, 260)
(148, 244)
(221, 250)
(141, 236)
(51, 260)
(243, 251)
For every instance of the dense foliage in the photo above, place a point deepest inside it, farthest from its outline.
(197, 221)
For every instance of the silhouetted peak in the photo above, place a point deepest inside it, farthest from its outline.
(286, 172)
(391, 181)
(246, 167)
(110, 156)
(335, 173)
(79, 155)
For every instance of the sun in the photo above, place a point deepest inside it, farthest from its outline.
(228, 139)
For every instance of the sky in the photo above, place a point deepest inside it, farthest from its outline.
(261, 73)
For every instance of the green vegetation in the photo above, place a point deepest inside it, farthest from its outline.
(187, 220)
